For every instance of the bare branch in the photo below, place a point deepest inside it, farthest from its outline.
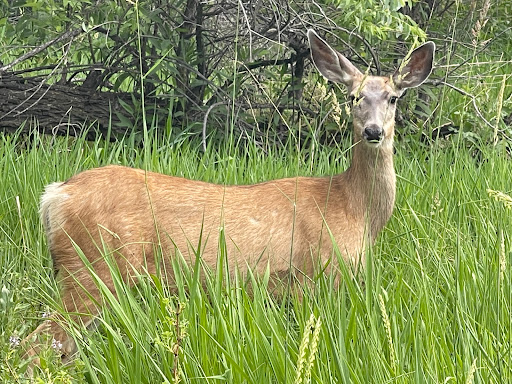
(205, 120)
(274, 62)
(463, 92)
(65, 36)
(483, 48)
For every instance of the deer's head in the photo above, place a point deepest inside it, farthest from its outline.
(373, 98)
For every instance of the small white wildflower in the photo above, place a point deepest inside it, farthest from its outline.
(57, 345)
(46, 315)
(14, 341)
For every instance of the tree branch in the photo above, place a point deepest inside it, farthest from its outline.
(65, 36)
(463, 92)
(267, 63)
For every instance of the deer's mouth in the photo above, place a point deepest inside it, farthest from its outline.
(374, 143)
(373, 135)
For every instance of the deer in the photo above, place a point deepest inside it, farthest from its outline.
(286, 226)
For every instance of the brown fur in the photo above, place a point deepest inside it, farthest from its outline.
(284, 225)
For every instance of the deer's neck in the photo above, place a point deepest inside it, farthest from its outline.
(371, 179)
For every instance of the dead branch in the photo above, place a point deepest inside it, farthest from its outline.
(65, 36)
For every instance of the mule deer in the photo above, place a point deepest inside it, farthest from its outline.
(285, 225)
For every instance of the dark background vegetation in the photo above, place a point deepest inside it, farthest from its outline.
(211, 68)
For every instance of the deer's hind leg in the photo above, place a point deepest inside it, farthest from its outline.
(80, 302)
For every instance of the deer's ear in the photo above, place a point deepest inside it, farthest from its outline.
(331, 64)
(416, 68)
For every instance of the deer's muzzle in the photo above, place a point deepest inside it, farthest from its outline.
(373, 133)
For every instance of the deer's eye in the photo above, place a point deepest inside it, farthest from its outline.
(355, 99)
(393, 99)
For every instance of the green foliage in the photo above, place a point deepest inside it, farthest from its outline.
(378, 20)
(233, 66)
(235, 75)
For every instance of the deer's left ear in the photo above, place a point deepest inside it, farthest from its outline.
(416, 68)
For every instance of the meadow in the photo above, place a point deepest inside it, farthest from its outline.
(432, 305)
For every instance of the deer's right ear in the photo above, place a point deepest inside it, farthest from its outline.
(331, 64)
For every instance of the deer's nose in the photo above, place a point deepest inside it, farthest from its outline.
(373, 133)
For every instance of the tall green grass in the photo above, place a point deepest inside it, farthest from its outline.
(433, 305)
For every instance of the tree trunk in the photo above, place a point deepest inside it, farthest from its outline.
(59, 108)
